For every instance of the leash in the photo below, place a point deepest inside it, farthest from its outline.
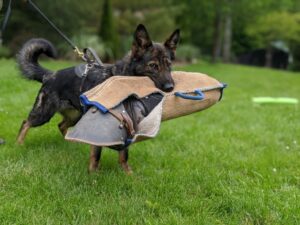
(74, 47)
(6, 17)
(88, 55)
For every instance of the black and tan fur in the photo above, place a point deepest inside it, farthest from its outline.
(60, 90)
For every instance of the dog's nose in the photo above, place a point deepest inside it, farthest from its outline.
(168, 87)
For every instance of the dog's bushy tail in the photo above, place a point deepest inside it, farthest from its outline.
(28, 58)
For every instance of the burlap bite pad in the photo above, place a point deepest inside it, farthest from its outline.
(187, 83)
(116, 89)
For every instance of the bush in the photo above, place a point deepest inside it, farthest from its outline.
(187, 53)
(5, 52)
(93, 41)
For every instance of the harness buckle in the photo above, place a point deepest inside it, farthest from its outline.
(86, 69)
(84, 75)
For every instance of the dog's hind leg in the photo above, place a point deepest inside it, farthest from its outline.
(23, 131)
(123, 158)
(95, 155)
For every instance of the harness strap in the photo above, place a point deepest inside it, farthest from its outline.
(84, 75)
(125, 121)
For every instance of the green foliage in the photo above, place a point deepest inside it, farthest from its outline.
(70, 16)
(247, 13)
(273, 26)
(85, 40)
(196, 22)
(187, 53)
(154, 25)
(151, 17)
(148, 13)
(195, 18)
(235, 163)
(137, 5)
(4, 52)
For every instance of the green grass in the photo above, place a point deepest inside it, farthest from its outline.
(235, 163)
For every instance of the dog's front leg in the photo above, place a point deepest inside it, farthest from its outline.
(95, 155)
(123, 158)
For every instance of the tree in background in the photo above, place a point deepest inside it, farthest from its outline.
(207, 25)
(195, 19)
(1, 4)
(219, 28)
(4, 50)
(217, 32)
(108, 32)
(222, 30)
(227, 37)
(72, 17)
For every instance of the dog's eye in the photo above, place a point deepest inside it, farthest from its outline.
(153, 66)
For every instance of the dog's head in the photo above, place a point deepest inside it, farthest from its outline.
(154, 59)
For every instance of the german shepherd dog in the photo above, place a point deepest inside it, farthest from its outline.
(60, 90)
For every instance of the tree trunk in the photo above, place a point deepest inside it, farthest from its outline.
(269, 57)
(217, 45)
(227, 38)
(1, 41)
(1, 4)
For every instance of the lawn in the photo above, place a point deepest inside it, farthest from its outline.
(235, 163)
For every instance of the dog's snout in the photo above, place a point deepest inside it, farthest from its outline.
(168, 87)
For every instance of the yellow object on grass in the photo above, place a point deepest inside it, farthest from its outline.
(273, 100)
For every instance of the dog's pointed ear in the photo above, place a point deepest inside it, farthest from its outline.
(172, 42)
(141, 41)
